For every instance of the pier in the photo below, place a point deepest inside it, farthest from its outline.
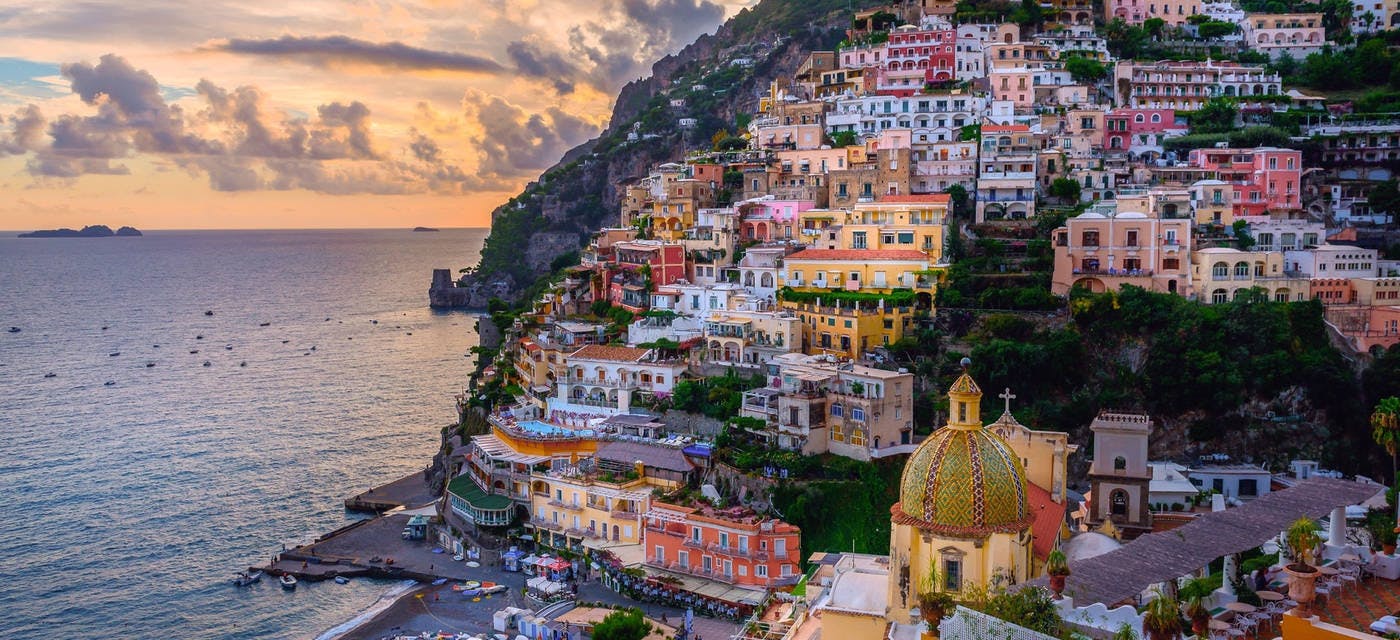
(409, 491)
(371, 548)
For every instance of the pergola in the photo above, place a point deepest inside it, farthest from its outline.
(1123, 573)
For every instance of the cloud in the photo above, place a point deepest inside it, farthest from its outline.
(239, 143)
(514, 144)
(331, 50)
(534, 60)
(24, 131)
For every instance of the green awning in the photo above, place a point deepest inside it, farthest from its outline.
(463, 487)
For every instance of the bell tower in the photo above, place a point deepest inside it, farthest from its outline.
(1119, 476)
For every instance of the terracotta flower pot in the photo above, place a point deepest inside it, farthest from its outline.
(1302, 581)
(1388, 549)
(1057, 584)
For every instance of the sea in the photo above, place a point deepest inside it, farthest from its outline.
(140, 475)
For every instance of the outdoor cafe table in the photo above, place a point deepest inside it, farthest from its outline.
(1269, 596)
(1219, 625)
(1240, 607)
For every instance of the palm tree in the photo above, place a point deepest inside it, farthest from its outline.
(1162, 620)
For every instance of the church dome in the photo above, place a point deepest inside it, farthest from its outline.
(964, 481)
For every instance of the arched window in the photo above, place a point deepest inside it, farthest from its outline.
(1241, 269)
(1220, 270)
(1219, 296)
(1118, 502)
(1120, 463)
(766, 280)
(1138, 118)
(1156, 117)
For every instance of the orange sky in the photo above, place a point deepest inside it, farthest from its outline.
(321, 113)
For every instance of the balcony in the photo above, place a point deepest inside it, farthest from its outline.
(565, 505)
(541, 523)
(1115, 273)
(612, 383)
(629, 515)
(1006, 198)
(691, 542)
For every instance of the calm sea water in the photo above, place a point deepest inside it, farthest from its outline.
(124, 509)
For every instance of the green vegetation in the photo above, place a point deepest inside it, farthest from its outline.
(836, 297)
(717, 397)
(1066, 189)
(1085, 70)
(625, 624)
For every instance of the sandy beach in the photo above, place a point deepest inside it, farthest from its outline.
(426, 608)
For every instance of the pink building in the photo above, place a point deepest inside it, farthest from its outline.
(1139, 130)
(914, 57)
(1264, 179)
(767, 219)
(1173, 12)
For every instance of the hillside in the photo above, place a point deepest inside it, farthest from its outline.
(556, 214)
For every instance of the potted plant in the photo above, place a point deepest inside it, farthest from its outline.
(1058, 569)
(1199, 615)
(1162, 619)
(1302, 537)
(934, 606)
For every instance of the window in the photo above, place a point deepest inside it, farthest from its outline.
(1249, 487)
(695, 533)
(1132, 237)
(1090, 238)
(660, 556)
(1120, 463)
(952, 572)
(1218, 296)
(858, 414)
(683, 558)
(836, 410)
(1118, 502)
(760, 570)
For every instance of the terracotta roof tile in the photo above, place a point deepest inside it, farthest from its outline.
(858, 254)
(1049, 517)
(603, 352)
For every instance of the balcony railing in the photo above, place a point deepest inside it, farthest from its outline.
(1120, 273)
(566, 505)
(630, 515)
(541, 523)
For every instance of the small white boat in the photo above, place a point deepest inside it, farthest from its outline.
(244, 578)
(288, 581)
(341, 580)
(457, 557)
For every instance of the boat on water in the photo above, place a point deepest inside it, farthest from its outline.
(51, 375)
(341, 580)
(109, 383)
(115, 354)
(14, 329)
(209, 312)
(264, 324)
(243, 578)
(288, 581)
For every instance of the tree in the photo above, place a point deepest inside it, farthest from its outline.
(1385, 427)
(1242, 237)
(1215, 29)
(1217, 116)
(626, 624)
(958, 204)
(1162, 621)
(1085, 70)
(843, 139)
(1066, 189)
(1385, 197)
(1154, 27)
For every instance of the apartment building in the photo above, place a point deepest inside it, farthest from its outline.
(1222, 274)
(1006, 183)
(733, 546)
(1187, 85)
(1265, 180)
(1104, 251)
(820, 404)
(1135, 12)
(849, 325)
(1298, 35)
(600, 380)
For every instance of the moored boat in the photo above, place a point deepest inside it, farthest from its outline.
(243, 578)
(288, 581)
(341, 580)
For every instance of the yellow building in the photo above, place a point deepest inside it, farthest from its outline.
(1222, 274)
(831, 295)
(897, 222)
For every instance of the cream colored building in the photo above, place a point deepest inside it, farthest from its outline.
(1221, 274)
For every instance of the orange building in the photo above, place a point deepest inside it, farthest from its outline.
(734, 546)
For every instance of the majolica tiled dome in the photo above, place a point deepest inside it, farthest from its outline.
(964, 480)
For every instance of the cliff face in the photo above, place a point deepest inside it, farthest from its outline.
(556, 214)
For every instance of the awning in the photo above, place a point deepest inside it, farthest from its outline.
(1121, 574)
(560, 565)
(465, 488)
(712, 589)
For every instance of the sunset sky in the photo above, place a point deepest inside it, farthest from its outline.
(274, 114)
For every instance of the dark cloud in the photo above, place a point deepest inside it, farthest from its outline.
(515, 144)
(424, 148)
(328, 50)
(533, 60)
(24, 131)
(46, 164)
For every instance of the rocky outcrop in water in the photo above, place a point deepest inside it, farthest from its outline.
(90, 231)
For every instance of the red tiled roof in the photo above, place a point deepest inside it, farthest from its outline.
(915, 199)
(858, 254)
(604, 352)
(1049, 517)
(1004, 128)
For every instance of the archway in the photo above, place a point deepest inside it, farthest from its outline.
(1118, 503)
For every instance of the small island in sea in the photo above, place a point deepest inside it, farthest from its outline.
(424, 229)
(90, 231)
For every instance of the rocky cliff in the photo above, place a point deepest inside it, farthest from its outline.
(557, 213)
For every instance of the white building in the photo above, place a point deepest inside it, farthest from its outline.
(1234, 481)
(1286, 235)
(1333, 261)
(599, 380)
(929, 117)
(970, 55)
(1170, 485)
